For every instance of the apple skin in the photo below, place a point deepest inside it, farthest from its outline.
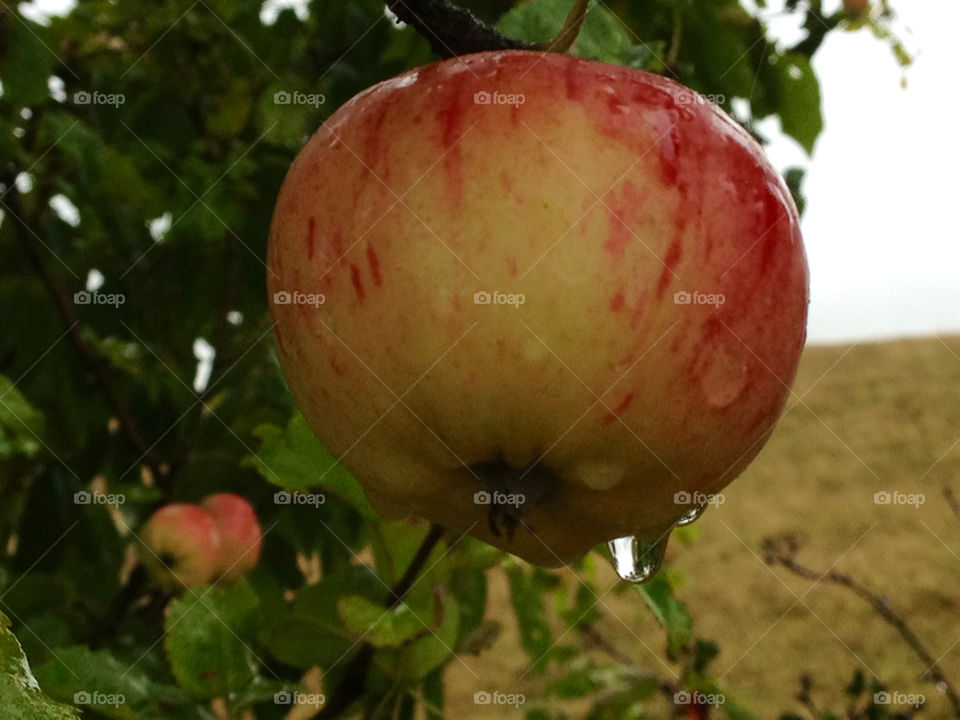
(240, 534)
(184, 545)
(598, 198)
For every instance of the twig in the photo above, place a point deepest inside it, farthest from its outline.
(452, 30)
(353, 683)
(131, 590)
(781, 551)
(568, 33)
(591, 631)
(95, 362)
(952, 501)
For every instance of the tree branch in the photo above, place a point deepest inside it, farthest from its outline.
(95, 362)
(781, 551)
(450, 30)
(353, 682)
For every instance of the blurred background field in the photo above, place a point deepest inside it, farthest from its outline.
(862, 419)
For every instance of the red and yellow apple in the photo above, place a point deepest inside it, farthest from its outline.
(240, 534)
(512, 274)
(183, 545)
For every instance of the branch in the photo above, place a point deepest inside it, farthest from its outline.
(952, 501)
(353, 683)
(95, 362)
(781, 551)
(452, 31)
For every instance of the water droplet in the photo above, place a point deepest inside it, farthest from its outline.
(726, 374)
(691, 515)
(637, 560)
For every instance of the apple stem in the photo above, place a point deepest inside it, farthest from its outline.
(568, 33)
(353, 682)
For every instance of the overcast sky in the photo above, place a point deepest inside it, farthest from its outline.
(882, 203)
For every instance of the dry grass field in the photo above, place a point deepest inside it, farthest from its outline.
(862, 419)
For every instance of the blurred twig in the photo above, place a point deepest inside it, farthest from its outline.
(353, 682)
(782, 551)
(952, 501)
(95, 362)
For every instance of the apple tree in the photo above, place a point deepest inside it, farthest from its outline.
(142, 149)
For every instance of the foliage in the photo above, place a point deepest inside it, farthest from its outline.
(140, 153)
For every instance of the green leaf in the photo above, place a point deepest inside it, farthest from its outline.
(670, 612)
(800, 114)
(20, 694)
(27, 62)
(378, 626)
(295, 460)
(208, 637)
(526, 594)
(103, 683)
(21, 424)
(416, 661)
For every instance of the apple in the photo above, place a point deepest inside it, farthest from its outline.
(183, 545)
(240, 534)
(537, 298)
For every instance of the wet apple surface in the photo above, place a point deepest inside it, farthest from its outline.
(537, 298)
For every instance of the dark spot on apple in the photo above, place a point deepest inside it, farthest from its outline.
(511, 491)
(619, 409)
(669, 265)
(617, 302)
(311, 239)
(374, 262)
(357, 282)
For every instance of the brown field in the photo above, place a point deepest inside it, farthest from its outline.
(863, 418)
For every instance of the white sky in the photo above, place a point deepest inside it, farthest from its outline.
(881, 225)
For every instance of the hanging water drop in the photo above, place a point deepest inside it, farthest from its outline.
(691, 515)
(637, 560)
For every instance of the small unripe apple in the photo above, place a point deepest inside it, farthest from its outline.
(544, 300)
(240, 533)
(183, 545)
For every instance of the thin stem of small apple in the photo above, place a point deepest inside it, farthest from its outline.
(568, 33)
(353, 682)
